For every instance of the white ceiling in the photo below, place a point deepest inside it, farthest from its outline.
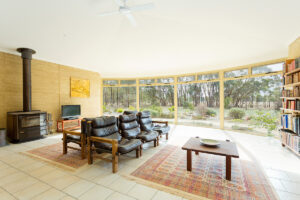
(178, 36)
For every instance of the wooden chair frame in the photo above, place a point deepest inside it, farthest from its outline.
(162, 122)
(82, 142)
(114, 152)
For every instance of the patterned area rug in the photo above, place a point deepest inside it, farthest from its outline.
(54, 155)
(167, 169)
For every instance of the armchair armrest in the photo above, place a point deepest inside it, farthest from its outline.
(161, 122)
(103, 140)
(78, 132)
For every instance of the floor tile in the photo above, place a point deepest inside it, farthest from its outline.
(19, 184)
(277, 184)
(106, 179)
(55, 174)
(78, 188)
(51, 194)
(63, 182)
(97, 192)
(292, 187)
(287, 196)
(142, 192)
(277, 174)
(31, 191)
(5, 195)
(122, 185)
(7, 171)
(67, 198)
(91, 173)
(119, 196)
(160, 195)
(41, 171)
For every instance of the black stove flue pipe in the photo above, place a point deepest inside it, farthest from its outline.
(26, 57)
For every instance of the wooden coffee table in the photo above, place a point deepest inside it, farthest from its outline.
(225, 148)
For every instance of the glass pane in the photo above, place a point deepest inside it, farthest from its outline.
(199, 104)
(159, 100)
(253, 105)
(118, 99)
(208, 76)
(236, 73)
(110, 82)
(268, 68)
(128, 82)
(147, 81)
(165, 80)
(186, 78)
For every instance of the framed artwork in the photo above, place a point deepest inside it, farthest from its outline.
(80, 87)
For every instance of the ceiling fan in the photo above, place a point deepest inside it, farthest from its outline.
(126, 10)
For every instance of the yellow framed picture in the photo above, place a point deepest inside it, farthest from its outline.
(80, 87)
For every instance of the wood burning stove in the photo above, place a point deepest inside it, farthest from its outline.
(27, 124)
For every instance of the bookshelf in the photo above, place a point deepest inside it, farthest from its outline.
(290, 117)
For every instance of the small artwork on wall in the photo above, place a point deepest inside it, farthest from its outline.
(80, 87)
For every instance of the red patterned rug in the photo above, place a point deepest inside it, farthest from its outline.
(54, 155)
(167, 168)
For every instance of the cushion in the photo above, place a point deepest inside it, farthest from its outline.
(73, 138)
(104, 121)
(127, 118)
(105, 131)
(161, 129)
(148, 136)
(131, 133)
(129, 125)
(107, 146)
(129, 112)
(144, 114)
(126, 146)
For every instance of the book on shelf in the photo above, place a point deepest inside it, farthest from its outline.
(291, 93)
(291, 140)
(291, 104)
(290, 122)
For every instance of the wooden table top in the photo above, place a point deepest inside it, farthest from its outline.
(224, 149)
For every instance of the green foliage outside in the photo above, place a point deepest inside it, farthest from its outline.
(211, 113)
(188, 105)
(236, 113)
(120, 110)
(171, 109)
(265, 120)
(131, 108)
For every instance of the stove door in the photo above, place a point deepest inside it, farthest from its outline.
(29, 121)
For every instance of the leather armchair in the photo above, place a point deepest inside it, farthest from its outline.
(103, 136)
(130, 129)
(147, 124)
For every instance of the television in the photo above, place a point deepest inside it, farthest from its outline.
(70, 111)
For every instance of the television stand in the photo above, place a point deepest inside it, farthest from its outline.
(67, 124)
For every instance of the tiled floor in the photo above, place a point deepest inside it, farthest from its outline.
(22, 177)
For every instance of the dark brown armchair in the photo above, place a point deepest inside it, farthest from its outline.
(147, 124)
(103, 136)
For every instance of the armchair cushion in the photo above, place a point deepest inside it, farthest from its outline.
(131, 133)
(71, 138)
(129, 112)
(148, 136)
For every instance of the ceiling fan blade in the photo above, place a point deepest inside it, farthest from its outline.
(147, 6)
(119, 2)
(131, 19)
(108, 13)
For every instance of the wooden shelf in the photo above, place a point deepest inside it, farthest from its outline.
(290, 110)
(292, 85)
(297, 153)
(292, 72)
(290, 98)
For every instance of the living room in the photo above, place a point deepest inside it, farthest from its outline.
(147, 99)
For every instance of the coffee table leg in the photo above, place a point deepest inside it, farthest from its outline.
(189, 160)
(228, 168)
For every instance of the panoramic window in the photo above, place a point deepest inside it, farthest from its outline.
(165, 80)
(159, 100)
(213, 76)
(147, 81)
(118, 99)
(252, 102)
(199, 104)
(186, 78)
(127, 82)
(236, 73)
(110, 82)
(268, 68)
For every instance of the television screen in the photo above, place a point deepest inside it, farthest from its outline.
(70, 111)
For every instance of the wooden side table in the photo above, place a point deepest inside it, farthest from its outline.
(62, 123)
